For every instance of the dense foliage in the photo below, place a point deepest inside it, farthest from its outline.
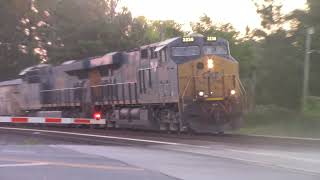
(53, 31)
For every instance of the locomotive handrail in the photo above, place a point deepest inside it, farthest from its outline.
(142, 69)
(242, 89)
(112, 84)
(61, 89)
(84, 87)
(185, 89)
(227, 75)
(244, 98)
(184, 92)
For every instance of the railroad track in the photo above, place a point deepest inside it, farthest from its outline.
(186, 138)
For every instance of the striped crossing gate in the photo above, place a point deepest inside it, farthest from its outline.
(49, 120)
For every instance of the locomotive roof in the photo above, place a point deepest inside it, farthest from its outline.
(176, 40)
(11, 82)
(114, 57)
(197, 40)
(161, 43)
(26, 70)
(107, 59)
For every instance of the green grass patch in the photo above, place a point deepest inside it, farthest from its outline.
(277, 121)
(312, 106)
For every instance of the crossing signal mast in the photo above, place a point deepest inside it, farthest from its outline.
(308, 51)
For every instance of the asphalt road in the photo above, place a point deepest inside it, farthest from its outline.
(35, 155)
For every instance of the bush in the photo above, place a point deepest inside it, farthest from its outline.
(266, 114)
(275, 120)
(312, 107)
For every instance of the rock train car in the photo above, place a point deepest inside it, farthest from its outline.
(188, 83)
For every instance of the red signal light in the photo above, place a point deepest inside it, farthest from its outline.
(97, 116)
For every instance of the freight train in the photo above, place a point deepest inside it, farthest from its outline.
(183, 83)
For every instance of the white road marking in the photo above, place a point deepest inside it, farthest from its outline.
(23, 165)
(17, 151)
(109, 137)
(276, 155)
(224, 155)
(272, 164)
(27, 162)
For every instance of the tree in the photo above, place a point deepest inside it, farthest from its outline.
(15, 47)
(92, 32)
(272, 19)
(166, 29)
(144, 31)
(279, 70)
(99, 29)
(302, 20)
(53, 31)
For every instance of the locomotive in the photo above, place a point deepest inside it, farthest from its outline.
(182, 83)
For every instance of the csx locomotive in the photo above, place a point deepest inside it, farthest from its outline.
(183, 83)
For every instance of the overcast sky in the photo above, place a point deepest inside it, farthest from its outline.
(240, 13)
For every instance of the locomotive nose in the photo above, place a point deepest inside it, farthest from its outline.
(208, 78)
(205, 64)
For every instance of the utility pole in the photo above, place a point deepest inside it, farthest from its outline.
(305, 90)
(161, 31)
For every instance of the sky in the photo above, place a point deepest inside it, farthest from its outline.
(240, 13)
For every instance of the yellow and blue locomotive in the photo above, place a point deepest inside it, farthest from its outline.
(183, 83)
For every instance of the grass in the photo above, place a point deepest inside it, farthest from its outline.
(313, 106)
(277, 121)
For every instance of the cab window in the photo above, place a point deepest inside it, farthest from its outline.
(186, 51)
(218, 49)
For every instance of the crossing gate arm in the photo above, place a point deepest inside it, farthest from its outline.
(50, 120)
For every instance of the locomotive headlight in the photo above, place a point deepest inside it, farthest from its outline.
(210, 63)
(233, 92)
(201, 93)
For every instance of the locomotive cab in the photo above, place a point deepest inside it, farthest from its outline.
(209, 85)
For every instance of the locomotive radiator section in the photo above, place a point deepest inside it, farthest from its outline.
(209, 94)
(10, 103)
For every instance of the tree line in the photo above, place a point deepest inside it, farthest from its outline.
(54, 31)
